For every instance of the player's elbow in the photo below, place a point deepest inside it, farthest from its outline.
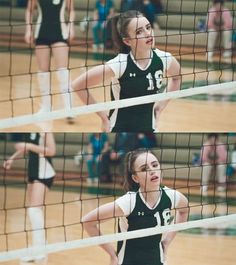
(174, 74)
(74, 85)
(50, 151)
(88, 224)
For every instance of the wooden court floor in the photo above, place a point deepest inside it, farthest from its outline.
(20, 96)
(63, 212)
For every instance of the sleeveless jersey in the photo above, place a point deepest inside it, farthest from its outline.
(131, 81)
(145, 250)
(51, 21)
(39, 167)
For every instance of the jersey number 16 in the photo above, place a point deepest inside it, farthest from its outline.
(165, 216)
(158, 76)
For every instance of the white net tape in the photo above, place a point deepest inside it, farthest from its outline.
(60, 114)
(93, 241)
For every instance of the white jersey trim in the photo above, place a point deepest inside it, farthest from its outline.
(64, 26)
(166, 58)
(127, 202)
(123, 228)
(174, 195)
(119, 63)
(39, 22)
(115, 87)
(46, 170)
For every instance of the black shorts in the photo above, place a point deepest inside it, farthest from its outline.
(49, 42)
(47, 182)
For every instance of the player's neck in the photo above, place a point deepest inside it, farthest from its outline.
(151, 197)
(142, 58)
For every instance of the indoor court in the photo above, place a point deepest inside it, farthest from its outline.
(188, 247)
(178, 33)
(72, 196)
(181, 115)
(184, 126)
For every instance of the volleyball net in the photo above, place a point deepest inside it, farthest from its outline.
(39, 117)
(25, 88)
(76, 192)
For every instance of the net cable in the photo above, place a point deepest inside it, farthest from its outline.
(93, 241)
(123, 103)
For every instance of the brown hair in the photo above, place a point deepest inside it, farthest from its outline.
(119, 29)
(130, 158)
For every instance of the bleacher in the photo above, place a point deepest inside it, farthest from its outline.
(178, 23)
(175, 152)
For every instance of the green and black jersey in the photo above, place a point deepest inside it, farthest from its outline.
(132, 81)
(39, 167)
(139, 215)
(51, 20)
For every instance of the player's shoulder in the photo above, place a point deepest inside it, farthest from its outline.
(169, 191)
(212, 9)
(130, 196)
(119, 58)
(161, 53)
(173, 195)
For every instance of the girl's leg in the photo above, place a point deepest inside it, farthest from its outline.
(96, 35)
(97, 169)
(206, 171)
(227, 41)
(43, 59)
(221, 177)
(90, 164)
(211, 40)
(60, 52)
(36, 195)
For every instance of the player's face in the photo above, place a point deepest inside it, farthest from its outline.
(147, 171)
(140, 35)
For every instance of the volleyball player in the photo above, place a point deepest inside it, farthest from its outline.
(136, 73)
(40, 148)
(52, 35)
(219, 21)
(146, 204)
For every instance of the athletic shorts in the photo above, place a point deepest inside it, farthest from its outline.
(47, 182)
(48, 42)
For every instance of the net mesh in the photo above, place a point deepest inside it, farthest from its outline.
(74, 194)
(179, 32)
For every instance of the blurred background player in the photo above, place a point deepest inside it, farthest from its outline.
(213, 157)
(231, 169)
(219, 22)
(103, 11)
(98, 145)
(52, 35)
(40, 147)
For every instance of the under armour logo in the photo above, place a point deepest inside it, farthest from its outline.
(132, 74)
(141, 213)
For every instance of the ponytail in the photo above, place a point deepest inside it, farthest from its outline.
(119, 24)
(129, 183)
(118, 44)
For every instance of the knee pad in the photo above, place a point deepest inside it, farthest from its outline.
(65, 86)
(211, 39)
(227, 36)
(63, 76)
(36, 218)
(37, 224)
(44, 83)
